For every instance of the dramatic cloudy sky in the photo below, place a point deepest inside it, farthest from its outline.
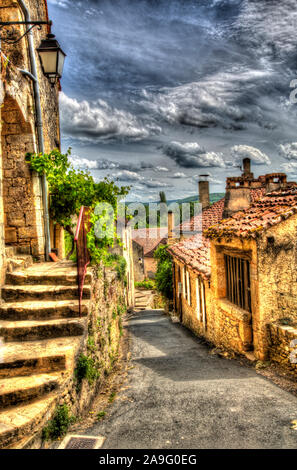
(157, 92)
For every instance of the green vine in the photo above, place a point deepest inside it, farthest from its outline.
(70, 189)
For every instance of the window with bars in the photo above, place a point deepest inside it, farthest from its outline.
(238, 282)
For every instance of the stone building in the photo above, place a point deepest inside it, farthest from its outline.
(235, 283)
(21, 195)
(145, 243)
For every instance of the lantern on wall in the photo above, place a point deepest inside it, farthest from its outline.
(52, 58)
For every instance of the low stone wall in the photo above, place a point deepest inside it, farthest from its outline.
(281, 347)
(99, 345)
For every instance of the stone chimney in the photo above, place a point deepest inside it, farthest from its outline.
(238, 190)
(275, 181)
(170, 226)
(247, 168)
(204, 191)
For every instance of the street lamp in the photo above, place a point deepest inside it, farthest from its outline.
(8, 36)
(52, 58)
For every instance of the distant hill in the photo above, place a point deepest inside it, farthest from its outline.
(213, 197)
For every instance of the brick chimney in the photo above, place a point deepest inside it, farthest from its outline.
(204, 191)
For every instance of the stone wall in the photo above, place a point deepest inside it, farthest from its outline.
(225, 325)
(277, 253)
(282, 346)
(138, 267)
(23, 222)
(100, 344)
(103, 336)
(150, 267)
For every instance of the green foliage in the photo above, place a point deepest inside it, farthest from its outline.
(149, 284)
(164, 281)
(91, 343)
(121, 327)
(86, 369)
(118, 263)
(112, 397)
(101, 415)
(121, 309)
(70, 189)
(68, 241)
(59, 425)
(121, 268)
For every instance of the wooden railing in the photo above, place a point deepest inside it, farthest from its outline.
(82, 254)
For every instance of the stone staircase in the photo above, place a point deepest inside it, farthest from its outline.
(40, 337)
(16, 260)
(143, 299)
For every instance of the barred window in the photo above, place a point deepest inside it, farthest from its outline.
(238, 282)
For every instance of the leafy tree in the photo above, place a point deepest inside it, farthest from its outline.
(70, 189)
(164, 279)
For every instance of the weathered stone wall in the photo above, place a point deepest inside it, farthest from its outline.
(138, 267)
(233, 327)
(277, 254)
(226, 325)
(23, 223)
(103, 336)
(150, 267)
(282, 346)
(100, 344)
(189, 310)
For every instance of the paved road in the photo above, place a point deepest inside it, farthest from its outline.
(180, 396)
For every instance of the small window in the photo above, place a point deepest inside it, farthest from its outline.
(238, 282)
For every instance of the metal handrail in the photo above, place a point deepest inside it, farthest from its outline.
(82, 254)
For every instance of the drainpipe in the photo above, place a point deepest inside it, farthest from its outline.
(39, 125)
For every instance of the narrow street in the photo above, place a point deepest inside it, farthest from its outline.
(177, 395)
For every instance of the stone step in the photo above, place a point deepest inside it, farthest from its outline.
(21, 421)
(17, 390)
(44, 356)
(42, 310)
(42, 292)
(31, 277)
(10, 251)
(14, 264)
(34, 330)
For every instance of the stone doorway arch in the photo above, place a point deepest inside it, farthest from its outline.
(21, 188)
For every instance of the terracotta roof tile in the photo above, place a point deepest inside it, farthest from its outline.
(211, 215)
(265, 212)
(194, 252)
(149, 239)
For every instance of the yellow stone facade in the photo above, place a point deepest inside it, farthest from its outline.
(21, 207)
(273, 266)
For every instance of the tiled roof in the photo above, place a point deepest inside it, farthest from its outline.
(194, 252)
(149, 239)
(210, 216)
(267, 211)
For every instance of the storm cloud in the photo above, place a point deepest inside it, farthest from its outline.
(192, 155)
(179, 85)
